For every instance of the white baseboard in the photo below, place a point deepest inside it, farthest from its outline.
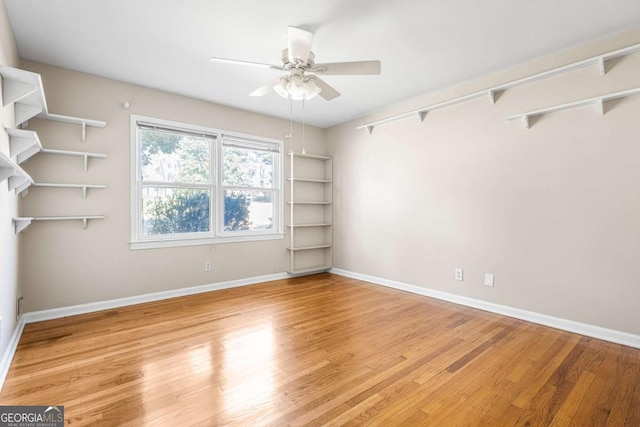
(7, 358)
(611, 335)
(56, 313)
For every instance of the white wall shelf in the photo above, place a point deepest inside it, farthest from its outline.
(309, 156)
(311, 230)
(598, 101)
(82, 187)
(309, 203)
(308, 248)
(24, 89)
(317, 181)
(17, 178)
(21, 223)
(490, 93)
(86, 156)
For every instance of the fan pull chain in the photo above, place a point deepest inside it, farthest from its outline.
(291, 124)
(303, 99)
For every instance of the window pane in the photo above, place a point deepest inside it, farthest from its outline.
(175, 210)
(174, 157)
(248, 210)
(246, 167)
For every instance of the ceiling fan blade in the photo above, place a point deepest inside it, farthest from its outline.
(327, 92)
(348, 68)
(299, 45)
(265, 89)
(238, 62)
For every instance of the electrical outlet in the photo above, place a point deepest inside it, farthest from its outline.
(488, 279)
(19, 306)
(207, 266)
(459, 274)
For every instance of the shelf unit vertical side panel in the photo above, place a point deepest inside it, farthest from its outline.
(328, 190)
(292, 218)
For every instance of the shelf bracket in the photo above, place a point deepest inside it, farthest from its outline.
(18, 183)
(86, 162)
(24, 112)
(84, 192)
(21, 225)
(14, 91)
(85, 221)
(24, 193)
(6, 173)
(422, 115)
(492, 96)
(84, 132)
(370, 129)
(601, 66)
(600, 104)
(525, 121)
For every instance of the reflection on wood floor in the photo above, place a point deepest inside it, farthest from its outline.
(316, 350)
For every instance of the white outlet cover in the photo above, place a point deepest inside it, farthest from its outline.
(488, 279)
(459, 274)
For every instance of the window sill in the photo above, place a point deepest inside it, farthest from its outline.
(155, 244)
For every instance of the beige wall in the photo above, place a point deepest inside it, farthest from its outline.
(65, 265)
(8, 202)
(553, 211)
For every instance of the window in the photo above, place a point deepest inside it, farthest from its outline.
(193, 185)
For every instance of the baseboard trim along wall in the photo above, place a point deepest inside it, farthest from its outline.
(605, 334)
(57, 313)
(7, 357)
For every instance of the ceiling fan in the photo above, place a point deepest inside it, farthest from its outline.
(302, 81)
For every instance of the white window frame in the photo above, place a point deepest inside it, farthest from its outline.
(217, 233)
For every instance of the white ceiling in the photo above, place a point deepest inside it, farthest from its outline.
(423, 44)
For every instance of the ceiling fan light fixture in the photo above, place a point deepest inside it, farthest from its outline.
(296, 88)
(281, 87)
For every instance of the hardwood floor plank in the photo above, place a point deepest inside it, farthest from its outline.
(319, 350)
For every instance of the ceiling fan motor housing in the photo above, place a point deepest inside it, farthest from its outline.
(299, 64)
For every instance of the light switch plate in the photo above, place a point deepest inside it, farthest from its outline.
(488, 279)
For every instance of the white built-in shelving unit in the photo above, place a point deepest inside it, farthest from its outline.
(24, 90)
(491, 93)
(311, 213)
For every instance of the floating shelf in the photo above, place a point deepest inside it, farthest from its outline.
(598, 101)
(308, 248)
(319, 181)
(324, 224)
(83, 187)
(490, 93)
(18, 179)
(24, 89)
(82, 154)
(23, 144)
(308, 156)
(308, 270)
(309, 203)
(21, 223)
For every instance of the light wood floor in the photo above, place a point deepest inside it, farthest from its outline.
(318, 350)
